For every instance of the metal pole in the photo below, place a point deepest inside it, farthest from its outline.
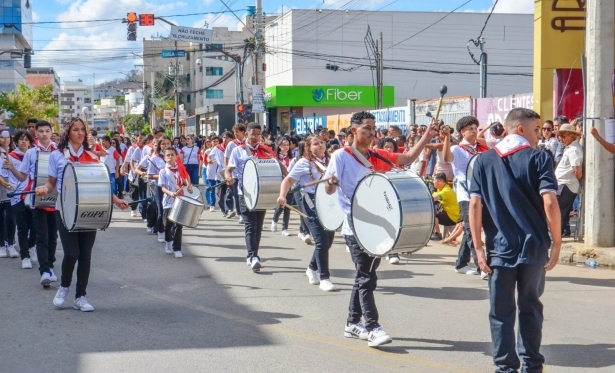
(599, 190)
(237, 99)
(483, 69)
(259, 52)
(176, 131)
(381, 71)
(153, 122)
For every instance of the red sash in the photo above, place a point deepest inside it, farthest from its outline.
(480, 148)
(52, 147)
(221, 147)
(261, 152)
(285, 160)
(19, 157)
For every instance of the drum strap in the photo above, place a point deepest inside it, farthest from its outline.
(321, 166)
(308, 200)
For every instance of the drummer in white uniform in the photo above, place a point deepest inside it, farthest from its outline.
(346, 168)
(306, 170)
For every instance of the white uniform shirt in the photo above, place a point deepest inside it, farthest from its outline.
(167, 179)
(57, 162)
(218, 156)
(18, 186)
(572, 157)
(213, 167)
(238, 159)
(109, 160)
(301, 173)
(156, 164)
(229, 150)
(460, 161)
(191, 155)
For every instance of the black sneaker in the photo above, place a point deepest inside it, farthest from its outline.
(436, 237)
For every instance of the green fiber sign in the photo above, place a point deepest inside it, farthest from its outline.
(340, 96)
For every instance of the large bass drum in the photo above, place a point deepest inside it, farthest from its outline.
(41, 174)
(328, 210)
(392, 213)
(86, 202)
(261, 184)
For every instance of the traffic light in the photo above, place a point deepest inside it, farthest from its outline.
(247, 110)
(131, 19)
(241, 111)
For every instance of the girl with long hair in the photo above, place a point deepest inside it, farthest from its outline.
(156, 163)
(283, 156)
(73, 147)
(189, 156)
(301, 151)
(7, 218)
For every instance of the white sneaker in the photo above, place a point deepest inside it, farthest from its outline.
(301, 236)
(241, 221)
(356, 331)
(484, 276)
(256, 264)
(83, 304)
(394, 259)
(347, 249)
(249, 261)
(307, 239)
(161, 237)
(150, 230)
(168, 248)
(285, 233)
(26, 263)
(178, 254)
(46, 280)
(133, 213)
(145, 220)
(3, 252)
(274, 226)
(231, 214)
(467, 270)
(327, 285)
(33, 255)
(312, 276)
(12, 252)
(378, 337)
(53, 276)
(58, 300)
(212, 209)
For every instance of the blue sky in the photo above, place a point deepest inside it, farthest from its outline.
(78, 50)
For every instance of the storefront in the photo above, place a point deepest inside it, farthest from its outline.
(301, 108)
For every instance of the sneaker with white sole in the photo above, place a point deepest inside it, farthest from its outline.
(161, 237)
(133, 213)
(326, 285)
(393, 259)
(82, 304)
(150, 230)
(33, 255)
(347, 249)
(60, 297)
(53, 276)
(231, 214)
(467, 270)
(301, 236)
(212, 209)
(26, 263)
(178, 254)
(168, 248)
(256, 264)
(249, 261)
(307, 239)
(484, 276)
(274, 226)
(3, 252)
(313, 277)
(378, 337)
(46, 280)
(285, 232)
(356, 331)
(12, 252)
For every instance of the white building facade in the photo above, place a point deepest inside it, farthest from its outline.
(76, 100)
(108, 92)
(15, 34)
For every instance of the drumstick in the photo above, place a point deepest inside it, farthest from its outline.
(311, 183)
(13, 194)
(443, 91)
(140, 200)
(215, 186)
(296, 211)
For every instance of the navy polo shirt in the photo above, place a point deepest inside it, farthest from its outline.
(514, 219)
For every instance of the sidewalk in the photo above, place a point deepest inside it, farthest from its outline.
(578, 252)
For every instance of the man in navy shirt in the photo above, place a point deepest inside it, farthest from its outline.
(513, 197)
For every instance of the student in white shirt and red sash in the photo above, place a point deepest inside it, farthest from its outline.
(217, 155)
(283, 155)
(346, 168)
(253, 219)
(77, 245)
(239, 131)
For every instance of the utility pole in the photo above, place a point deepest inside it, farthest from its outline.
(176, 131)
(483, 68)
(599, 165)
(380, 72)
(152, 105)
(259, 78)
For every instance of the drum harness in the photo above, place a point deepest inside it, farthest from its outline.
(305, 196)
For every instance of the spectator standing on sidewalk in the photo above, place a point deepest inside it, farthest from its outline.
(568, 172)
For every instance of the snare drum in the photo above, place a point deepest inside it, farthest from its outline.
(392, 213)
(328, 210)
(41, 170)
(186, 211)
(196, 193)
(261, 184)
(86, 203)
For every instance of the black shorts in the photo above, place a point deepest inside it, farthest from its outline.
(444, 220)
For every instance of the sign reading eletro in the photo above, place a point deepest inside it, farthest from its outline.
(339, 96)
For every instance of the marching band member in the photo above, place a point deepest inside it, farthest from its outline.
(208, 172)
(137, 157)
(253, 219)
(347, 167)
(7, 218)
(151, 207)
(77, 246)
(306, 170)
(157, 164)
(189, 156)
(128, 167)
(282, 155)
(171, 179)
(26, 234)
(217, 156)
(239, 130)
(304, 232)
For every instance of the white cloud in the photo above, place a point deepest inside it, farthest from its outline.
(35, 17)
(516, 6)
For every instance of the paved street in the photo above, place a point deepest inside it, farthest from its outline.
(208, 312)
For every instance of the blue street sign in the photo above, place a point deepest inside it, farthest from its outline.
(173, 54)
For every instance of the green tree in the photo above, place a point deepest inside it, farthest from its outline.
(24, 103)
(120, 100)
(134, 122)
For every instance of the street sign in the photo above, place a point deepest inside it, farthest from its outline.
(189, 34)
(173, 53)
(258, 99)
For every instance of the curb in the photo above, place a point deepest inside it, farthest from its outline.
(578, 253)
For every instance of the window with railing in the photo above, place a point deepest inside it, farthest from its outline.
(213, 71)
(214, 93)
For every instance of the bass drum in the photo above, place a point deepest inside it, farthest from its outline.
(328, 210)
(86, 203)
(392, 213)
(41, 170)
(261, 184)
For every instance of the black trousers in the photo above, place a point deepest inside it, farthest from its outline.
(7, 224)
(158, 195)
(77, 248)
(46, 227)
(303, 228)
(323, 239)
(134, 196)
(224, 204)
(467, 246)
(152, 210)
(565, 199)
(233, 196)
(362, 301)
(172, 231)
(26, 233)
(142, 195)
(253, 222)
(278, 211)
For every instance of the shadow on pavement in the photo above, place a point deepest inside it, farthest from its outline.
(602, 282)
(448, 293)
(389, 274)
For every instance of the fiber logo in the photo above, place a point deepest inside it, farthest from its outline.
(318, 94)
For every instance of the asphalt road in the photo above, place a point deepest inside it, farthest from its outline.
(208, 312)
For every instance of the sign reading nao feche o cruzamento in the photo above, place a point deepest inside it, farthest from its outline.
(189, 34)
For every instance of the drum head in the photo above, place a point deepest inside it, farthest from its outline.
(329, 211)
(68, 202)
(376, 214)
(250, 184)
(190, 200)
(470, 170)
(196, 193)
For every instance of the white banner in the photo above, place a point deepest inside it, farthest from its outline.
(189, 34)
(258, 99)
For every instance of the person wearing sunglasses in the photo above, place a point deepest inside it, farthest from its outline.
(549, 140)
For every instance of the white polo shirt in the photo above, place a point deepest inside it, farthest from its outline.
(572, 157)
